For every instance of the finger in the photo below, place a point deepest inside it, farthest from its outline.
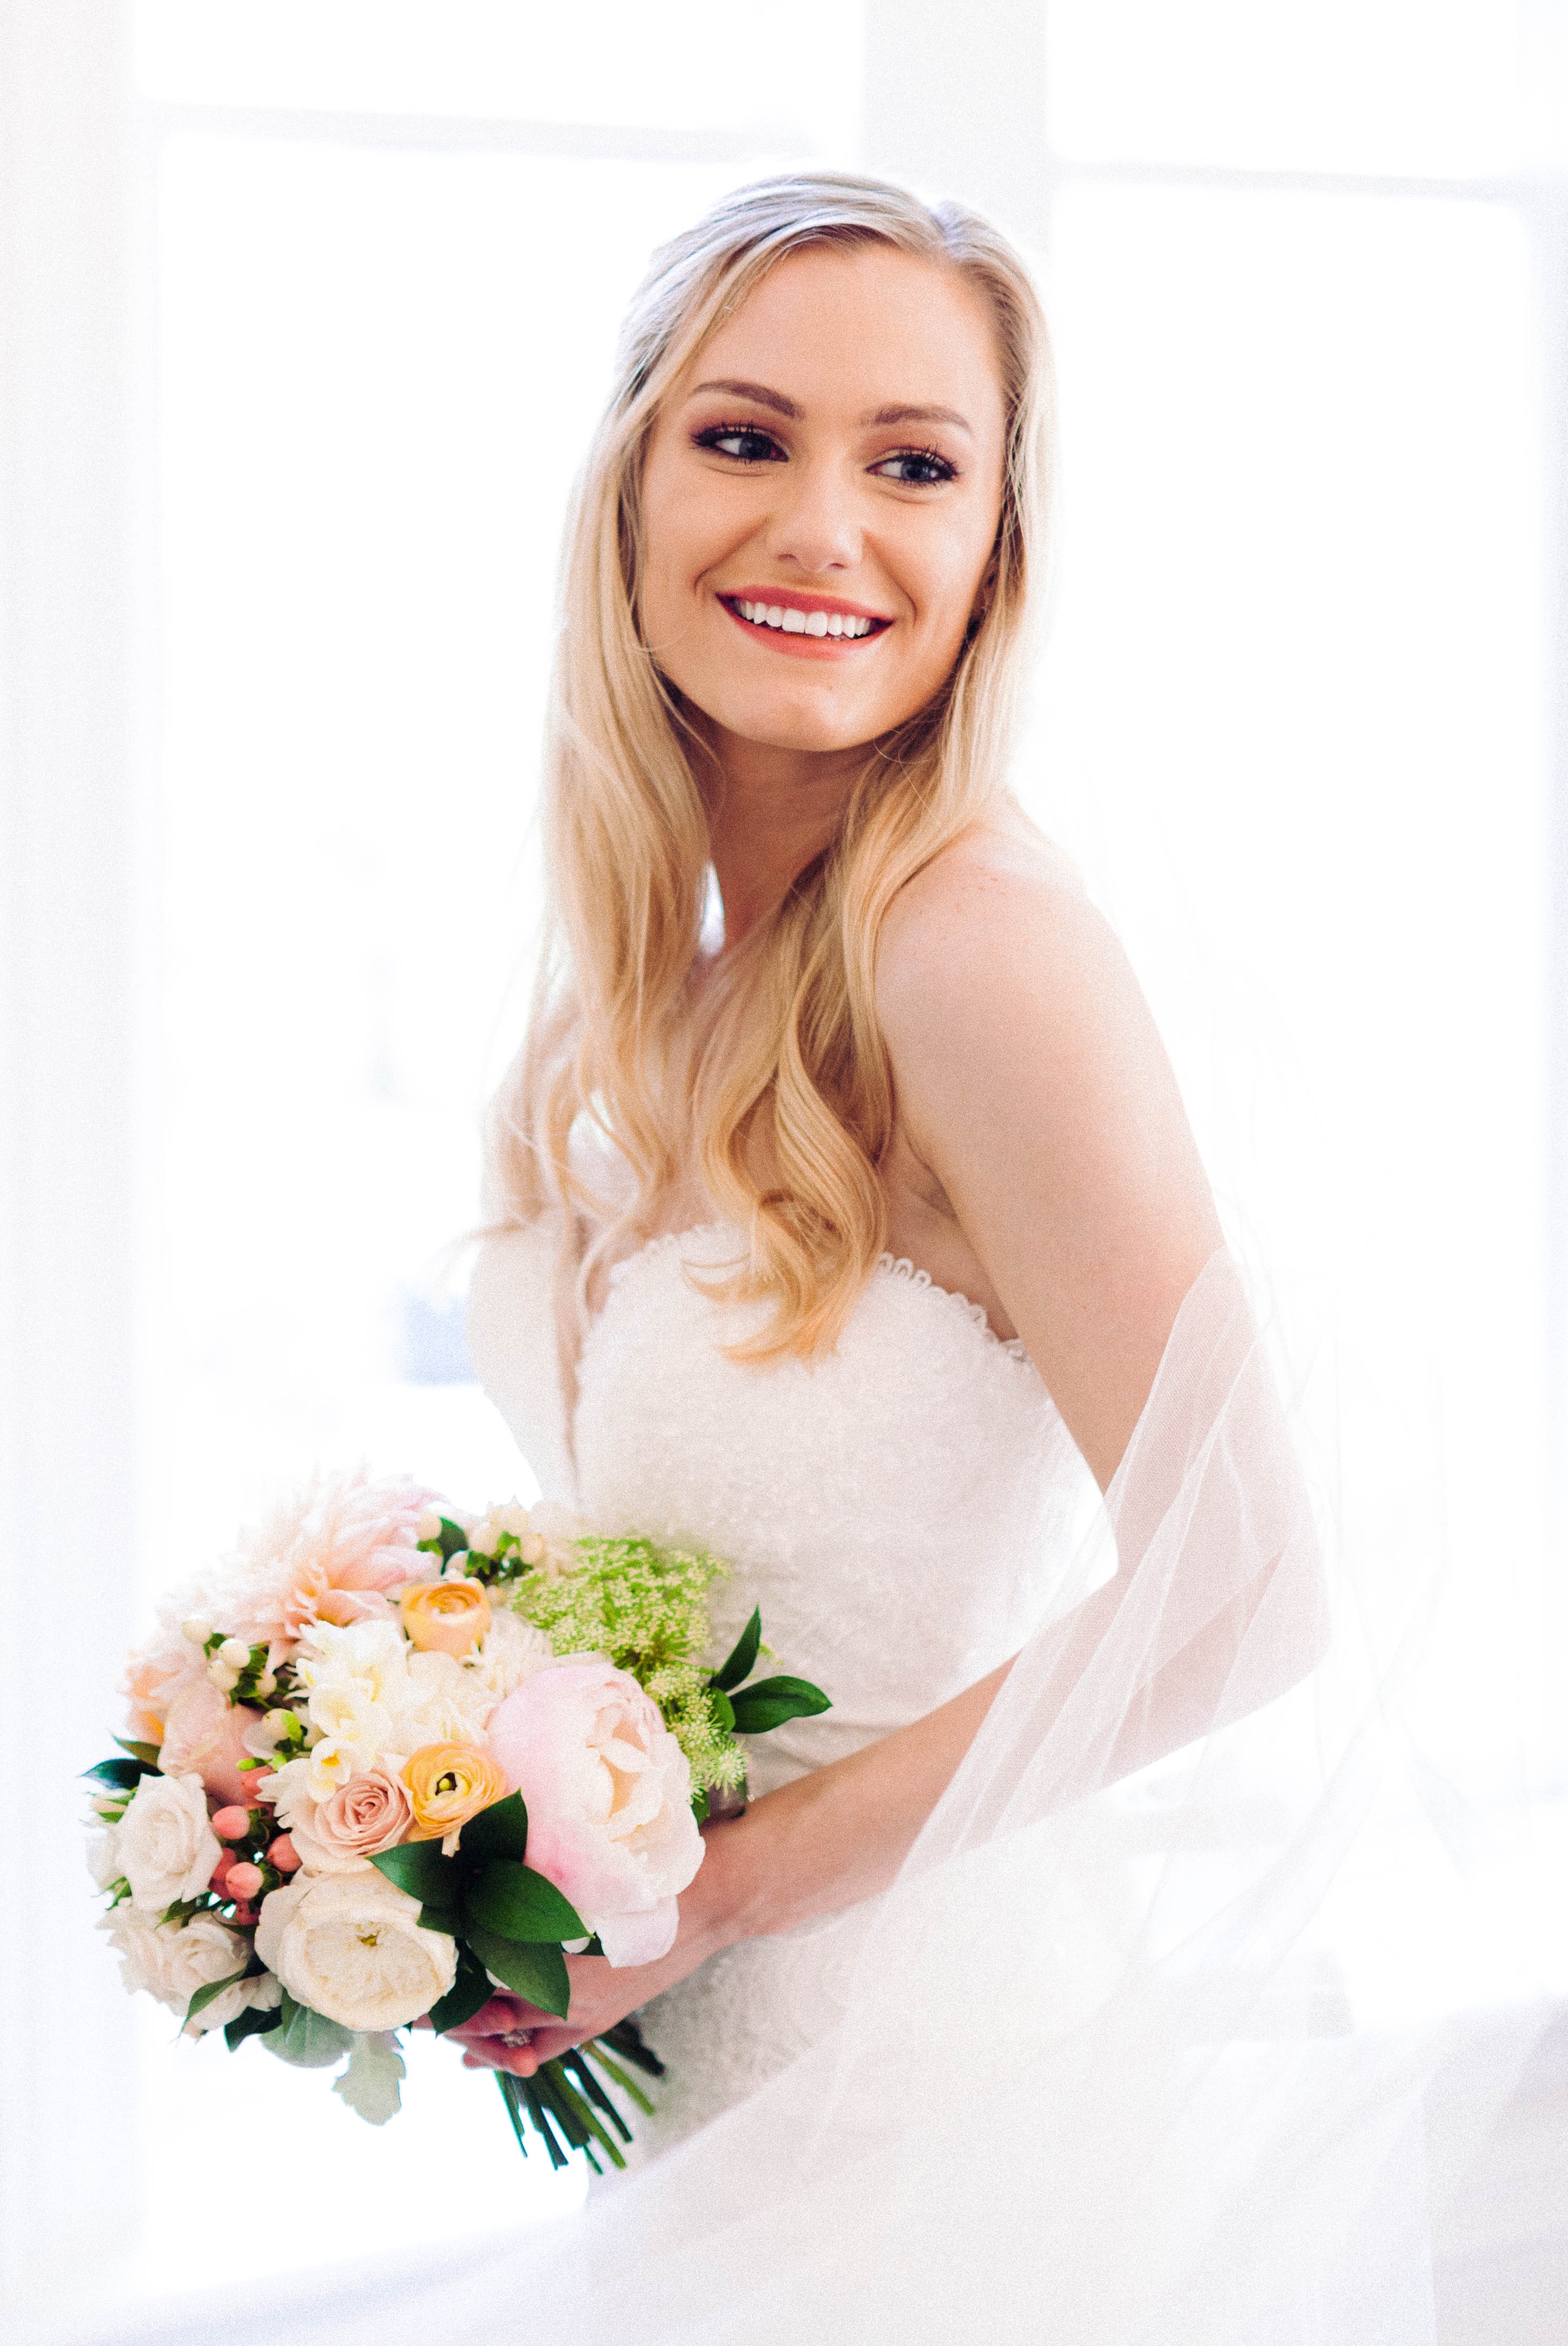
(520, 2059)
(555, 2038)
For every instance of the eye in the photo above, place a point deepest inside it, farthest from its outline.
(747, 442)
(920, 468)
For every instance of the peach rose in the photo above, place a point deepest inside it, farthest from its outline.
(205, 1732)
(449, 1783)
(370, 1812)
(445, 1617)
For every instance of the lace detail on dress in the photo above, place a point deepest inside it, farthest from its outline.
(903, 1268)
(703, 1234)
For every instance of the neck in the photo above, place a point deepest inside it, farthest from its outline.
(770, 813)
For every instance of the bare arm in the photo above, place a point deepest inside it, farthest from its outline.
(1031, 1084)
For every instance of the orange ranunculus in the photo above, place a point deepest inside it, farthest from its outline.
(445, 1617)
(448, 1784)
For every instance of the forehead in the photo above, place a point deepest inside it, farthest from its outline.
(855, 328)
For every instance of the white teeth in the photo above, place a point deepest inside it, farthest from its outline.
(794, 622)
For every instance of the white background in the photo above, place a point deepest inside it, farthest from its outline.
(312, 309)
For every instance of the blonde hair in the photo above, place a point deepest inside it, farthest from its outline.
(780, 1070)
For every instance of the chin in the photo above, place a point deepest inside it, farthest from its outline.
(794, 725)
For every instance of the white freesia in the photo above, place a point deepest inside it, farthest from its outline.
(171, 1960)
(165, 1846)
(350, 1946)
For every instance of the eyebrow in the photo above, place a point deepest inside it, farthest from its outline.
(761, 396)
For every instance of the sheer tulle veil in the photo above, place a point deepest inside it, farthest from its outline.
(1102, 2072)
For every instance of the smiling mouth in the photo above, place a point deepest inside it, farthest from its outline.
(795, 619)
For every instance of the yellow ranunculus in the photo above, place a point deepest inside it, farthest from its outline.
(448, 1783)
(445, 1617)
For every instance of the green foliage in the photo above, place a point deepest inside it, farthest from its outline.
(538, 1972)
(468, 1993)
(769, 1703)
(252, 2022)
(743, 1660)
(641, 1605)
(307, 2039)
(372, 2082)
(499, 1831)
(520, 1904)
(212, 1991)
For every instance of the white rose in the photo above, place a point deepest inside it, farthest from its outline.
(103, 1857)
(350, 1946)
(172, 1960)
(165, 1846)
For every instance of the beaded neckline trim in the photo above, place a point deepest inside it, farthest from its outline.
(895, 1265)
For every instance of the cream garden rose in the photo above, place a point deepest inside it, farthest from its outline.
(164, 1844)
(171, 1960)
(350, 1946)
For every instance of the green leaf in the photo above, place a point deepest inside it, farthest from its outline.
(521, 1904)
(499, 1831)
(744, 1659)
(538, 1973)
(723, 1709)
(307, 2039)
(444, 1919)
(146, 1752)
(760, 1708)
(467, 1994)
(370, 2083)
(419, 1867)
(212, 1991)
(453, 1539)
(125, 1774)
(252, 2022)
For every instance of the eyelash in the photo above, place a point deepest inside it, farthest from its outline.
(712, 434)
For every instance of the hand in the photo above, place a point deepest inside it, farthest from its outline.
(601, 1992)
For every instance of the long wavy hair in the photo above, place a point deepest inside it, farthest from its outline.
(771, 1080)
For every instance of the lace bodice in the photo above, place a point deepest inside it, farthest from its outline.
(901, 1510)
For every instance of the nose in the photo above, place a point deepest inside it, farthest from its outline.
(816, 524)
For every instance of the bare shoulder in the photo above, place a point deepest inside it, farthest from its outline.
(999, 926)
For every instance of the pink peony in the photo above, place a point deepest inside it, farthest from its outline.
(205, 1731)
(331, 1554)
(153, 1678)
(609, 1795)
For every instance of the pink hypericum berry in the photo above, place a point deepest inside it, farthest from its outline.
(245, 1916)
(231, 1824)
(284, 1855)
(223, 1867)
(244, 1880)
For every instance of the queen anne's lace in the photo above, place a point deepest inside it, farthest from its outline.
(873, 1503)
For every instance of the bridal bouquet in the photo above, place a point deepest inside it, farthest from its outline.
(388, 1757)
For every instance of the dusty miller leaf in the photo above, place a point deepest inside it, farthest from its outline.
(371, 2082)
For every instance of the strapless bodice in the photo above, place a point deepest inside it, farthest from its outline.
(903, 1511)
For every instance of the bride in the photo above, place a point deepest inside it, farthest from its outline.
(869, 1187)
(847, 1223)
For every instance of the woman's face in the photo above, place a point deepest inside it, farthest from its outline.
(821, 497)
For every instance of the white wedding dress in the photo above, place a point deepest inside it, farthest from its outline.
(902, 1511)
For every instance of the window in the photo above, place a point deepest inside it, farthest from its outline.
(310, 310)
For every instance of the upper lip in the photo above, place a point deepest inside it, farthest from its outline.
(794, 598)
